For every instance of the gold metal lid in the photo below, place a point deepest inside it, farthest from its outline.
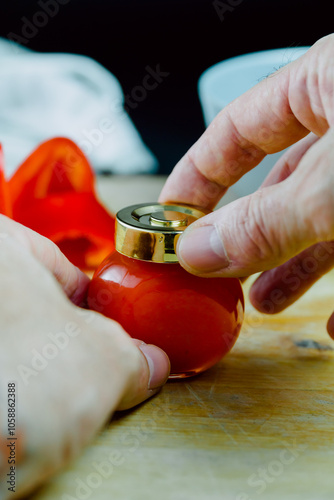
(150, 231)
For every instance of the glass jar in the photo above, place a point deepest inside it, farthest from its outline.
(196, 321)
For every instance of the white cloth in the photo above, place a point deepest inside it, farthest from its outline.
(48, 95)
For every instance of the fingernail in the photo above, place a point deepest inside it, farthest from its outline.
(158, 363)
(202, 249)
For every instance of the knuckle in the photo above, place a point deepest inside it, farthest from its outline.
(317, 201)
(320, 217)
(264, 244)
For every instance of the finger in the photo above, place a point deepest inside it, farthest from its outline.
(271, 116)
(278, 288)
(73, 281)
(289, 161)
(152, 373)
(330, 326)
(263, 230)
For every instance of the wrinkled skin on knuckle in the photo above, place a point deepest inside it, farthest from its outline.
(313, 186)
(265, 244)
(247, 234)
(312, 100)
(320, 216)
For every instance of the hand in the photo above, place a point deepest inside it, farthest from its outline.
(285, 228)
(72, 367)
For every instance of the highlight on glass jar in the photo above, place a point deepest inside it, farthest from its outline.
(196, 321)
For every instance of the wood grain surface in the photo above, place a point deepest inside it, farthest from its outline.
(259, 425)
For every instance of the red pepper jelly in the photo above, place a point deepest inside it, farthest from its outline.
(196, 321)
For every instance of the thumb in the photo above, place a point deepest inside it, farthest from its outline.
(150, 374)
(252, 234)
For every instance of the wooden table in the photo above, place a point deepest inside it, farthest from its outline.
(259, 425)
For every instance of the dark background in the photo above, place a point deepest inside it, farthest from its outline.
(184, 36)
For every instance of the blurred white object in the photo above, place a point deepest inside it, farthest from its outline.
(48, 95)
(226, 80)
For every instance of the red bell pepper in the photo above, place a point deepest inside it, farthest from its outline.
(77, 223)
(53, 192)
(56, 166)
(5, 203)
